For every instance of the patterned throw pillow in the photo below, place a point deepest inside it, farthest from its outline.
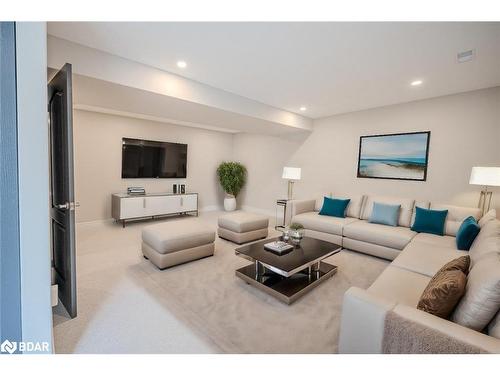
(446, 288)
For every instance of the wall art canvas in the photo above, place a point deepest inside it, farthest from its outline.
(394, 156)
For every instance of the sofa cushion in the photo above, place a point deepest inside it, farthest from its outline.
(481, 301)
(456, 215)
(399, 285)
(378, 234)
(386, 214)
(425, 258)
(443, 293)
(438, 241)
(486, 242)
(319, 201)
(488, 216)
(404, 213)
(241, 222)
(320, 223)
(494, 326)
(354, 206)
(334, 207)
(467, 233)
(429, 221)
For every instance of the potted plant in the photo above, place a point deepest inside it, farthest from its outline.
(232, 177)
(296, 232)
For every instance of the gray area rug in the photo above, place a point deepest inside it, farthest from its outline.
(126, 305)
(241, 319)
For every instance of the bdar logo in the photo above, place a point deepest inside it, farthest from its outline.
(9, 347)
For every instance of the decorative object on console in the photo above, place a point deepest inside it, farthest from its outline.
(386, 214)
(183, 189)
(174, 188)
(429, 221)
(136, 190)
(467, 233)
(445, 288)
(401, 156)
(296, 233)
(291, 174)
(232, 177)
(485, 176)
(334, 207)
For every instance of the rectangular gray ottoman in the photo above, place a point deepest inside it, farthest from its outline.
(176, 242)
(241, 227)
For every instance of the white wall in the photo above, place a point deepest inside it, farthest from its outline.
(31, 75)
(97, 147)
(464, 132)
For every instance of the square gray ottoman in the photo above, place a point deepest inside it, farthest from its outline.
(176, 242)
(241, 227)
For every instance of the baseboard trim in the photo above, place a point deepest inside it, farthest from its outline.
(211, 208)
(100, 221)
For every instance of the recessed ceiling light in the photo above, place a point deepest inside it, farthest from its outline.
(181, 64)
(416, 83)
(303, 109)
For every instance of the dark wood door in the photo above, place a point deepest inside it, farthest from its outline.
(62, 186)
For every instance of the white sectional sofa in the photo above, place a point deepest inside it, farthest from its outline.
(384, 318)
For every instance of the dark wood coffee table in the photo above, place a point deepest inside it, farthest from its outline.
(287, 276)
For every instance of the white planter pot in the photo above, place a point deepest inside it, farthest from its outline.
(229, 203)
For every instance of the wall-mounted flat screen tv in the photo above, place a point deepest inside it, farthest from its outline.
(152, 159)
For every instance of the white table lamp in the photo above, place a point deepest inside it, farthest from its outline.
(291, 174)
(485, 176)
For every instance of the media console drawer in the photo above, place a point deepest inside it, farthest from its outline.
(127, 207)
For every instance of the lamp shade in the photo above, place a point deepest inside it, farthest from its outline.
(291, 173)
(485, 176)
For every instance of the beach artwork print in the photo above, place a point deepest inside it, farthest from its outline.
(394, 156)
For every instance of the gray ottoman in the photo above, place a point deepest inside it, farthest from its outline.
(243, 227)
(176, 242)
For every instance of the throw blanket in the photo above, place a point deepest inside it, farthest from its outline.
(402, 336)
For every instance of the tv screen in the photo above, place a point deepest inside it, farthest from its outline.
(151, 159)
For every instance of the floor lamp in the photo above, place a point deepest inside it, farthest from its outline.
(485, 176)
(291, 174)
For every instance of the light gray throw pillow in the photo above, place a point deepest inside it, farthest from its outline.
(482, 294)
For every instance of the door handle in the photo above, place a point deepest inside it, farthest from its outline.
(68, 206)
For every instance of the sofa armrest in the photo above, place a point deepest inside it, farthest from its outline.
(300, 206)
(431, 334)
(362, 322)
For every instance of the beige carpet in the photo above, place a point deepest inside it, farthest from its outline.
(221, 312)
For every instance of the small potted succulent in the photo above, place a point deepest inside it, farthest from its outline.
(296, 233)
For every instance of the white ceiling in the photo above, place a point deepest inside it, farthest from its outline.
(328, 67)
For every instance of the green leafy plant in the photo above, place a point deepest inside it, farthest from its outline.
(232, 176)
(296, 226)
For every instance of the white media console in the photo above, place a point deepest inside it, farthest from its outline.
(132, 207)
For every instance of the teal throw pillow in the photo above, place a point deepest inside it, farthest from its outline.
(429, 221)
(467, 233)
(334, 207)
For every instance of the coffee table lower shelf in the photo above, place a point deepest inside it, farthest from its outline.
(286, 289)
